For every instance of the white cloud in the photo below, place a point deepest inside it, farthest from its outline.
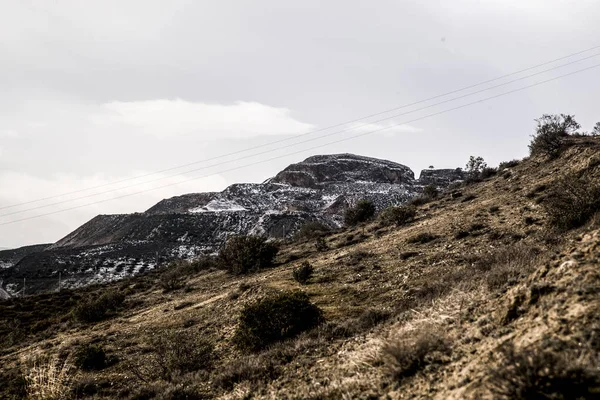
(26, 187)
(167, 118)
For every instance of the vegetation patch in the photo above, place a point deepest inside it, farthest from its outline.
(178, 351)
(422, 238)
(303, 273)
(398, 216)
(93, 309)
(274, 318)
(572, 202)
(244, 254)
(363, 211)
(406, 356)
(538, 374)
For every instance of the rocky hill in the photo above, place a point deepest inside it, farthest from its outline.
(319, 188)
(485, 294)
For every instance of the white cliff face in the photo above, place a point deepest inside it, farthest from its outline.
(320, 188)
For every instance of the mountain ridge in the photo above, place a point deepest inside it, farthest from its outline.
(319, 188)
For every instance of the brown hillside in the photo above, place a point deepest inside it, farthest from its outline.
(425, 310)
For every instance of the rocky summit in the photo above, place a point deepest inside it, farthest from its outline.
(110, 247)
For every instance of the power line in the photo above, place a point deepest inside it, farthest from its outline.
(312, 148)
(297, 143)
(300, 135)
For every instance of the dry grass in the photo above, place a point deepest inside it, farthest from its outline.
(49, 378)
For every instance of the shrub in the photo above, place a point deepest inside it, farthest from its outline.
(312, 230)
(488, 172)
(534, 374)
(419, 201)
(303, 273)
(247, 369)
(398, 215)
(274, 318)
(95, 308)
(90, 357)
(361, 212)
(422, 238)
(572, 202)
(244, 254)
(174, 277)
(321, 244)
(431, 191)
(406, 356)
(596, 131)
(551, 134)
(508, 164)
(474, 167)
(176, 352)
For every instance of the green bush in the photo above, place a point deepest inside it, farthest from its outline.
(312, 230)
(90, 357)
(303, 273)
(508, 164)
(431, 191)
(398, 215)
(361, 212)
(274, 318)
(572, 202)
(95, 308)
(244, 254)
(551, 134)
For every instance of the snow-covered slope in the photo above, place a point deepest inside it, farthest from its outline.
(319, 188)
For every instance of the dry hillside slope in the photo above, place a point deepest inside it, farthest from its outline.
(448, 306)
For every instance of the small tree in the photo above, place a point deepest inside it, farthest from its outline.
(475, 166)
(243, 254)
(551, 134)
(361, 212)
(596, 131)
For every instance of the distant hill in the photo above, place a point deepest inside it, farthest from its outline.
(320, 188)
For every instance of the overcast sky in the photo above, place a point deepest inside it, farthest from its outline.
(93, 91)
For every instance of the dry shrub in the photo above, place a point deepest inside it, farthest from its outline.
(174, 277)
(422, 238)
(572, 202)
(49, 378)
(507, 265)
(532, 374)
(177, 352)
(398, 215)
(407, 355)
(95, 308)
